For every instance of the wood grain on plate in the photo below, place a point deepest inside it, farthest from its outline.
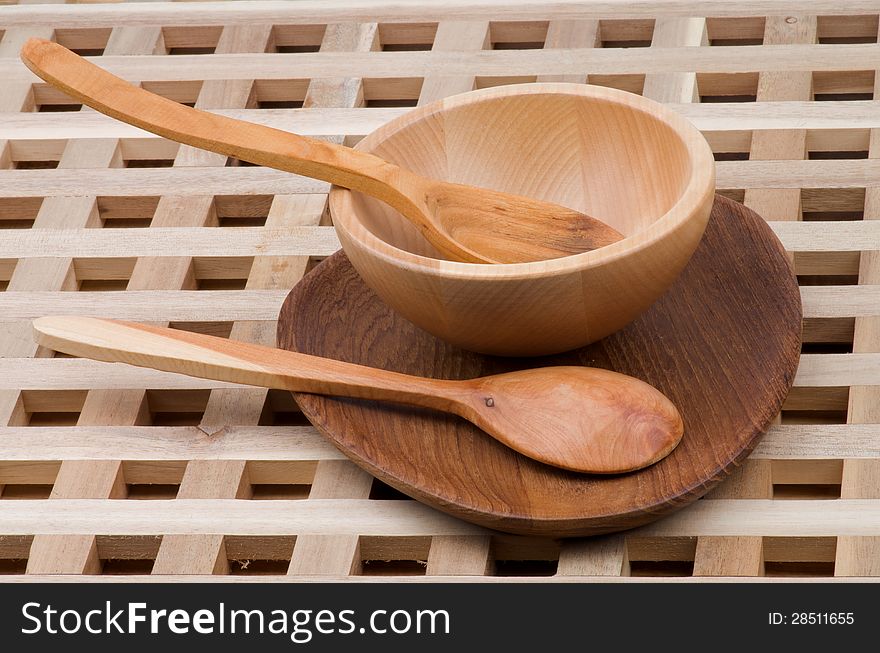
(723, 344)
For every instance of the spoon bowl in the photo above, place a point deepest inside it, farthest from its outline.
(577, 418)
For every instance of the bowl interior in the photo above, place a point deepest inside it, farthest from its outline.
(598, 155)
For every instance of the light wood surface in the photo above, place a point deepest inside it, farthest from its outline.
(464, 223)
(578, 418)
(805, 452)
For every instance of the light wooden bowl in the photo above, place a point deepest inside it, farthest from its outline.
(619, 157)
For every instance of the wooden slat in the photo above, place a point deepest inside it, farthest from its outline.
(280, 238)
(195, 181)
(861, 477)
(328, 517)
(602, 556)
(304, 443)
(227, 305)
(87, 442)
(487, 63)
(713, 117)
(321, 11)
(737, 517)
(316, 554)
(292, 238)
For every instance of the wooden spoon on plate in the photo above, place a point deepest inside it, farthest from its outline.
(578, 418)
(444, 212)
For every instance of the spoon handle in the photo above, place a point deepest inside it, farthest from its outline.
(244, 140)
(210, 357)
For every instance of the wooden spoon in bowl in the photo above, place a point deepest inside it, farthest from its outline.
(579, 418)
(455, 218)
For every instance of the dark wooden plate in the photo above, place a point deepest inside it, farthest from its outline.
(723, 343)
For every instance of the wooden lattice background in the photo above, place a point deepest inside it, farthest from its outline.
(125, 471)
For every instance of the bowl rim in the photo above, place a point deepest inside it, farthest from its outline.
(699, 190)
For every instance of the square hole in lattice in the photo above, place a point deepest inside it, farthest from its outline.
(27, 491)
(52, 407)
(280, 480)
(799, 556)
(806, 479)
(149, 163)
(35, 165)
(661, 556)
(256, 567)
(280, 409)
(298, 38)
(815, 405)
(19, 212)
(518, 35)
(629, 83)
(626, 33)
(218, 329)
(124, 555)
(843, 85)
(185, 92)
(393, 567)
(828, 280)
(191, 36)
(511, 555)
(14, 552)
(114, 567)
(860, 29)
(735, 31)
(731, 156)
(525, 568)
(380, 491)
(827, 335)
(97, 274)
(242, 210)
(205, 49)
(86, 42)
(833, 204)
(258, 555)
(398, 37)
(152, 480)
(116, 212)
(394, 556)
(280, 93)
(50, 108)
(151, 491)
(661, 568)
(10, 567)
(834, 331)
(177, 407)
(280, 491)
(490, 82)
(727, 87)
(7, 267)
(221, 272)
(25, 480)
(392, 92)
(827, 155)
